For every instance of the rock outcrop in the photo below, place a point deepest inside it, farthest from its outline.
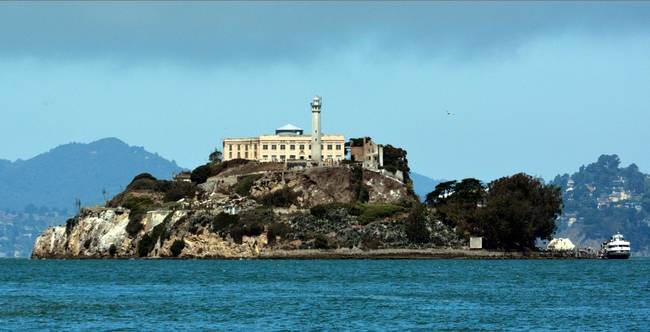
(245, 214)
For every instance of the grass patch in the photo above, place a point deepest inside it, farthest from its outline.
(375, 211)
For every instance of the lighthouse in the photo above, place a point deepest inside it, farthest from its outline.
(316, 155)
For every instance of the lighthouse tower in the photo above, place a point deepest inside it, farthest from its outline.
(316, 155)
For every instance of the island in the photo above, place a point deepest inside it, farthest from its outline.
(291, 195)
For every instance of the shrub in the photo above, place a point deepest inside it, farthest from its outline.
(360, 190)
(138, 207)
(244, 184)
(143, 184)
(323, 210)
(237, 234)
(134, 226)
(177, 247)
(112, 250)
(223, 222)
(284, 197)
(254, 229)
(320, 242)
(277, 229)
(370, 242)
(70, 224)
(416, 226)
(200, 174)
(177, 190)
(260, 214)
(148, 241)
(144, 176)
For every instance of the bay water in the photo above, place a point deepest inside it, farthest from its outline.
(163, 295)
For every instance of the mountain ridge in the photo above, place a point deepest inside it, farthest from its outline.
(54, 179)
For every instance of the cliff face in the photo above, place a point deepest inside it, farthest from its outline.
(244, 215)
(102, 233)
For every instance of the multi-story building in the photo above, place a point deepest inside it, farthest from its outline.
(289, 143)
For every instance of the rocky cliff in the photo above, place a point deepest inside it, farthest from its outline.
(247, 211)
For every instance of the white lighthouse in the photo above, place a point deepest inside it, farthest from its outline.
(316, 134)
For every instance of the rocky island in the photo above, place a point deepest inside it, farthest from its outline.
(294, 195)
(245, 209)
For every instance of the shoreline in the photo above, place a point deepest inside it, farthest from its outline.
(376, 254)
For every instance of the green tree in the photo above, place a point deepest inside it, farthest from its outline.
(519, 209)
(416, 225)
(215, 156)
(456, 202)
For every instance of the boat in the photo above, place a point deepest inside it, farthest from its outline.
(616, 248)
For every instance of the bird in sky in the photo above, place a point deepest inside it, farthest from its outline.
(449, 113)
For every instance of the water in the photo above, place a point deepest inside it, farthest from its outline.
(325, 295)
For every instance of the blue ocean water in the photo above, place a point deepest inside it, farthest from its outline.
(325, 295)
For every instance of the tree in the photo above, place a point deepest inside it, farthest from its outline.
(201, 174)
(519, 209)
(456, 202)
(441, 192)
(215, 156)
(416, 226)
(395, 159)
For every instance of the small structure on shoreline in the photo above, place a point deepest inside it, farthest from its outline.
(476, 243)
(560, 244)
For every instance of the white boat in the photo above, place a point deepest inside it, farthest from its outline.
(616, 247)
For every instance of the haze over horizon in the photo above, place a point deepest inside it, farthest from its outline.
(535, 87)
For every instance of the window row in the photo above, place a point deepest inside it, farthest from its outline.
(338, 147)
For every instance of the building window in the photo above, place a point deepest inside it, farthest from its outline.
(274, 147)
(230, 155)
(302, 157)
(274, 158)
(302, 146)
(329, 146)
(230, 147)
(246, 147)
(282, 158)
(282, 146)
(265, 157)
(246, 154)
(238, 147)
(292, 147)
(292, 157)
(265, 147)
(238, 155)
(338, 146)
(329, 157)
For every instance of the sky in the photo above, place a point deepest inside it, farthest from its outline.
(535, 87)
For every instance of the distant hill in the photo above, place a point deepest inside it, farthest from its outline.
(603, 198)
(56, 178)
(41, 191)
(422, 185)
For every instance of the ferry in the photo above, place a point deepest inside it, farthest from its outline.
(616, 248)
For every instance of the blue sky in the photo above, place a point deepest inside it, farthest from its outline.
(539, 87)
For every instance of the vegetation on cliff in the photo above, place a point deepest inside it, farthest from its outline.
(509, 213)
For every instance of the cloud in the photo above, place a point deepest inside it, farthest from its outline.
(236, 32)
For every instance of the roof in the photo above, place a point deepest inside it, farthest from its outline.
(289, 127)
